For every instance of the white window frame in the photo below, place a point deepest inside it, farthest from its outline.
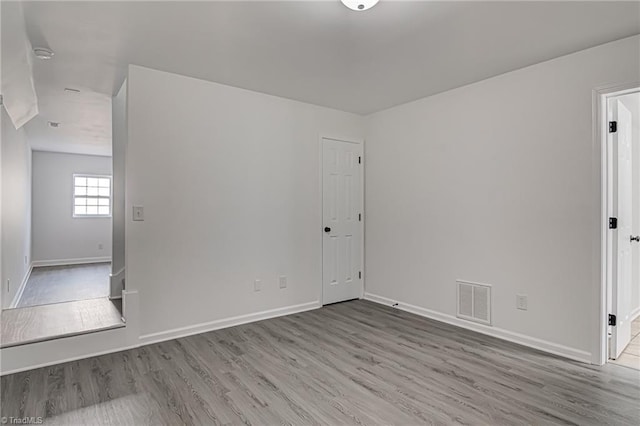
(73, 196)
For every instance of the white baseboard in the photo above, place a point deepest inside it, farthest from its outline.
(148, 339)
(543, 345)
(175, 333)
(635, 314)
(79, 261)
(23, 284)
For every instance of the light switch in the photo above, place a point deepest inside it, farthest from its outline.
(521, 302)
(138, 213)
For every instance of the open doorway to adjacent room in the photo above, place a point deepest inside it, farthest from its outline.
(71, 229)
(58, 214)
(622, 134)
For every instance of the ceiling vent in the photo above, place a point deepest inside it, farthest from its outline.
(474, 302)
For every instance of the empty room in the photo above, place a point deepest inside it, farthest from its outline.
(327, 212)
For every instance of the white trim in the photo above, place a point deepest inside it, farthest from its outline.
(355, 141)
(473, 283)
(510, 336)
(65, 360)
(143, 340)
(635, 314)
(64, 335)
(71, 348)
(601, 244)
(120, 272)
(147, 339)
(63, 262)
(23, 285)
(73, 196)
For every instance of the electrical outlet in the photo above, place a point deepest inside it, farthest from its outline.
(521, 302)
(100, 246)
(257, 285)
(283, 281)
(138, 213)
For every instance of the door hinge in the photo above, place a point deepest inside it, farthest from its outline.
(359, 160)
(360, 274)
(359, 217)
(612, 319)
(613, 126)
(613, 223)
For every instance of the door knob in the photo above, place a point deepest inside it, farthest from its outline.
(327, 229)
(636, 238)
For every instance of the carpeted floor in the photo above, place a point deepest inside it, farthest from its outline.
(55, 284)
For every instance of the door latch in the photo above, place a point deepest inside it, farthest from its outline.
(636, 238)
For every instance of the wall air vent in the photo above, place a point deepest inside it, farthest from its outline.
(474, 302)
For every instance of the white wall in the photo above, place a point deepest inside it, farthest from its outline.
(230, 183)
(632, 102)
(57, 235)
(496, 182)
(15, 246)
(119, 148)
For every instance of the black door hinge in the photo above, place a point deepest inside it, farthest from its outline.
(359, 217)
(612, 319)
(359, 160)
(613, 126)
(360, 274)
(613, 223)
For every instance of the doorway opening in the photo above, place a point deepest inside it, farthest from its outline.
(621, 137)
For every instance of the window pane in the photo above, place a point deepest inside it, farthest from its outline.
(92, 196)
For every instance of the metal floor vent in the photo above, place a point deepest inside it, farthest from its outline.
(474, 302)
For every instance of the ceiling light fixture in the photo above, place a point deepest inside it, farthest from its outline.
(359, 5)
(43, 53)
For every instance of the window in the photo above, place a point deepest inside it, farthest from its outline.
(91, 196)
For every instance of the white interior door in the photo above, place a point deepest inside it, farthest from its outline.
(342, 202)
(621, 291)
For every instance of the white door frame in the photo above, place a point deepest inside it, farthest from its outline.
(364, 215)
(604, 186)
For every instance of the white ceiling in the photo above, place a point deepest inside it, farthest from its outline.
(316, 52)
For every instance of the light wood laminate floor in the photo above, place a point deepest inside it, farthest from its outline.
(37, 323)
(350, 363)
